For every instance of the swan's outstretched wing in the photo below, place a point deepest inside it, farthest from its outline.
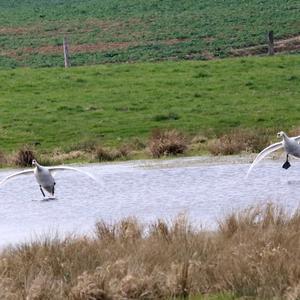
(25, 172)
(264, 153)
(64, 168)
(296, 138)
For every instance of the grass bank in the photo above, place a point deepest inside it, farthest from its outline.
(66, 110)
(253, 254)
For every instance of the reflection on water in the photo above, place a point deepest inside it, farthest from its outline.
(143, 189)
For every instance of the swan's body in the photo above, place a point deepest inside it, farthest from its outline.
(289, 144)
(44, 176)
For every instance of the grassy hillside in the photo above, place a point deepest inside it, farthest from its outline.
(137, 30)
(114, 103)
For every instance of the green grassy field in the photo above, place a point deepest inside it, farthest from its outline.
(129, 30)
(112, 104)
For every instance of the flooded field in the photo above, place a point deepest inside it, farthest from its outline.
(148, 190)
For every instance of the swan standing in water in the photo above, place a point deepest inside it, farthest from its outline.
(44, 176)
(289, 144)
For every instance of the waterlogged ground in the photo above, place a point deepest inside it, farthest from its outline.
(203, 190)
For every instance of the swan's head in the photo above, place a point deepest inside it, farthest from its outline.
(34, 162)
(280, 134)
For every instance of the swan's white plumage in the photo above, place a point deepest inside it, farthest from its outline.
(25, 172)
(297, 138)
(66, 168)
(289, 144)
(264, 153)
(44, 175)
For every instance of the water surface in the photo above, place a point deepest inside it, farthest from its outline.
(145, 189)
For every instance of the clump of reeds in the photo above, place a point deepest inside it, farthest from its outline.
(24, 157)
(239, 140)
(294, 132)
(3, 159)
(253, 254)
(107, 154)
(167, 142)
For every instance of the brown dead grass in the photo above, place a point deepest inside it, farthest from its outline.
(3, 159)
(24, 157)
(107, 154)
(294, 132)
(167, 142)
(253, 254)
(161, 143)
(239, 140)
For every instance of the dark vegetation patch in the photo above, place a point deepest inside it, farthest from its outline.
(166, 117)
(24, 157)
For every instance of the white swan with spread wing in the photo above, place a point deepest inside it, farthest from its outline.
(44, 176)
(290, 145)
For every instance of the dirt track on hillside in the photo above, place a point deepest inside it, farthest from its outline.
(284, 45)
(86, 48)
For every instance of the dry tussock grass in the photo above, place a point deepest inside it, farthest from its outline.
(167, 142)
(106, 154)
(254, 253)
(24, 157)
(3, 159)
(239, 140)
(294, 132)
(161, 143)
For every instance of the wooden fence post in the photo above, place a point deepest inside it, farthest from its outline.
(66, 53)
(271, 43)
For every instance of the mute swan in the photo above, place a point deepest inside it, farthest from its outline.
(44, 176)
(289, 144)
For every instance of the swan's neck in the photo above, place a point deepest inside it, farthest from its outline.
(37, 166)
(286, 139)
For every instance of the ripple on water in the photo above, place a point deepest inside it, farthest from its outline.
(204, 192)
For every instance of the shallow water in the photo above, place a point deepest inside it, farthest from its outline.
(145, 189)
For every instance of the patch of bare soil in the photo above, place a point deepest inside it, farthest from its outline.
(19, 30)
(280, 46)
(173, 41)
(208, 55)
(84, 48)
(57, 27)
(109, 25)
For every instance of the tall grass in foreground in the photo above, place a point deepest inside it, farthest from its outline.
(254, 253)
